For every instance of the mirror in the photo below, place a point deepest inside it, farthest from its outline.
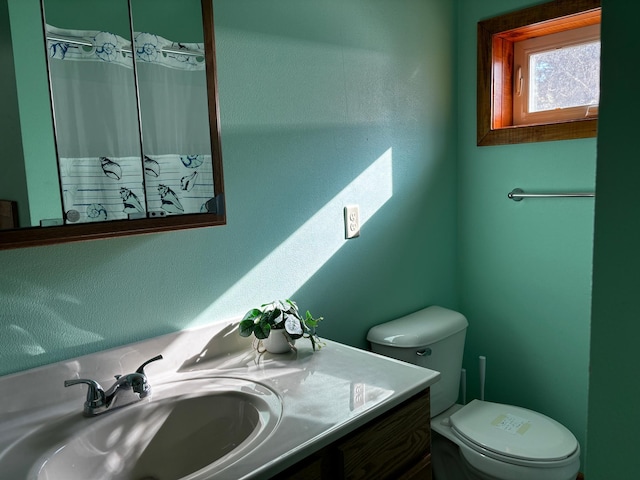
(136, 123)
(93, 93)
(172, 86)
(29, 185)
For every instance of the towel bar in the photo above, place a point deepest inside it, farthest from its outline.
(517, 194)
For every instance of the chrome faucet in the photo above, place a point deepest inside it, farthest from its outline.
(127, 389)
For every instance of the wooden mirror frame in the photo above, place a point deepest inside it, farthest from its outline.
(36, 236)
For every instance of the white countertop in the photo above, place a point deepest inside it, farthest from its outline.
(325, 394)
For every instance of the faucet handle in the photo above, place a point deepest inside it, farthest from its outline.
(95, 393)
(138, 380)
(141, 367)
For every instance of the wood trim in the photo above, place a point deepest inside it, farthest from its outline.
(495, 71)
(556, 25)
(540, 133)
(212, 91)
(484, 84)
(535, 16)
(502, 71)
(37, 236)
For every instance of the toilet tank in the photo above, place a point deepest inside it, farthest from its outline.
(433, 338)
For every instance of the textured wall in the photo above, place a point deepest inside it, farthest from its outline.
(323, 104)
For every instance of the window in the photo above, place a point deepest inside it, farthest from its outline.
(538, 73)
(557, 77)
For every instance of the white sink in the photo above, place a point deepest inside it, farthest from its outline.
(304, 400)
(188, 429)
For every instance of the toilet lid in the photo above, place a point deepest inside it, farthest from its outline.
(513, 431)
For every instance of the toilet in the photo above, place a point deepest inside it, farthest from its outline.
(480, 440)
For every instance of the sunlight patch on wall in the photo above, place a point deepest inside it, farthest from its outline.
(292, 263)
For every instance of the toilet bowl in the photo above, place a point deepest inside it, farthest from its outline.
(481, 440)
(504, 442)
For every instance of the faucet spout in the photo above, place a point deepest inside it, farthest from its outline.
(127, 389)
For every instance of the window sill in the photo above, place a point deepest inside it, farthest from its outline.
(538, 133)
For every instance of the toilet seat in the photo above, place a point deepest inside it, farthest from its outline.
(513, 435)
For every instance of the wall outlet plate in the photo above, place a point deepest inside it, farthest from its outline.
(351, 221)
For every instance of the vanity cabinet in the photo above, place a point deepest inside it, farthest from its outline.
(394, 446)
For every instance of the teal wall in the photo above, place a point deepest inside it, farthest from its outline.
(524, 267)
(322, 105)
(13, 181)
(155, 16)
(158, 16)
(34, 111)
(615, 330)
(111, 16)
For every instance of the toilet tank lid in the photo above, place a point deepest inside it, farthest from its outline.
(418, 329)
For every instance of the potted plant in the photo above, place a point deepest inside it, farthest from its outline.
(284, 318)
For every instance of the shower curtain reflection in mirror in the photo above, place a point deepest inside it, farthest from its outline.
(97, 127)
(172, 87)
(103, 174)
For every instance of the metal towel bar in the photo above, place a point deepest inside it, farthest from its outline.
(517, 194)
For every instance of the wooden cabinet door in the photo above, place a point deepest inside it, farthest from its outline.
(391, 445)
(394, 446)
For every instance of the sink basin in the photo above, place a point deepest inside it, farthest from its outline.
(189, 429)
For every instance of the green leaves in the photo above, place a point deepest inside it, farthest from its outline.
(280, 315)
(246, 328)
(256, 324)
(252, 314)
(310, 321)
(261, 329)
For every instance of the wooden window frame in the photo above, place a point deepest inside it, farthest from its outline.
(496, 37)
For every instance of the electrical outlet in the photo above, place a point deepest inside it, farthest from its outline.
(358, 395)
(351, 221)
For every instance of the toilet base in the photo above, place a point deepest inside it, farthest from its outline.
(449, 464)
